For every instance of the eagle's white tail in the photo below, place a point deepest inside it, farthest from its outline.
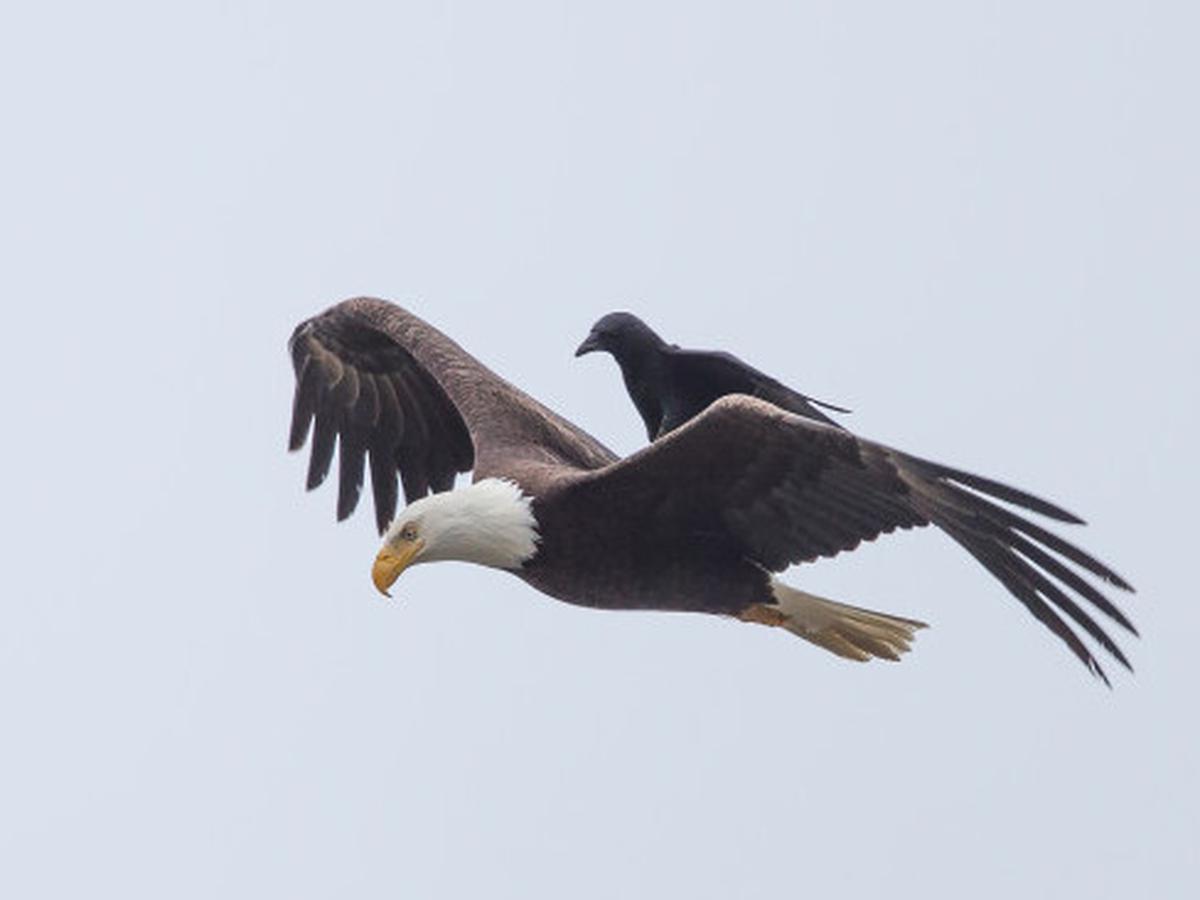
(848, 631)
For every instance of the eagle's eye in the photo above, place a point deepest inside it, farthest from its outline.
(408, 533)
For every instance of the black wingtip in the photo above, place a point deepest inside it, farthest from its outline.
(298, 433)
(825, 405)
(1098, 671)
(323, 442)
(1118, 582)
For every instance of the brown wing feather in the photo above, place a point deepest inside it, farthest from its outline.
(790, 490)
(393, 391)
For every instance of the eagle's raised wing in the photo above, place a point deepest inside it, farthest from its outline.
(790, 490)
(387, 387)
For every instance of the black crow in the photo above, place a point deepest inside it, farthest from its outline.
(670, 385)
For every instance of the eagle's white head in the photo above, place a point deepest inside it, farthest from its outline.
(490, 523)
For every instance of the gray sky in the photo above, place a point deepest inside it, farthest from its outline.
(974, 223)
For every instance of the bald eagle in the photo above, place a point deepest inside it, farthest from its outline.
(701, 520)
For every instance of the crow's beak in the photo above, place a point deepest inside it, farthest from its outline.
(591, 343)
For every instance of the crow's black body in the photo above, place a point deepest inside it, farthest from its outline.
(670, 385)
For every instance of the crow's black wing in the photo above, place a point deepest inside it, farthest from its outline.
(698, 377)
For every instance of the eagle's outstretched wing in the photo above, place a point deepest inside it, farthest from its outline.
(391, 389)
(790, 490)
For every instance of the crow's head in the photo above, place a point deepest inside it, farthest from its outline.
(623, 335)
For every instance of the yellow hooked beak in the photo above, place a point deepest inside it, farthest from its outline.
(391, 561)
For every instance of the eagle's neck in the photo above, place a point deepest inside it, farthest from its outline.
(489, 522)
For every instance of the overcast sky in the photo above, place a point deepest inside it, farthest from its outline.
(976, 224)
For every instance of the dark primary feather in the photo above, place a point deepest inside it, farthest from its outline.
(669, 385)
